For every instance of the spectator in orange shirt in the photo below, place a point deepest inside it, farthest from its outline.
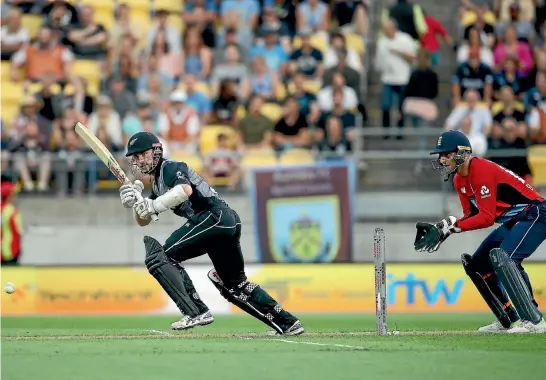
(430, 42)
(45, 56)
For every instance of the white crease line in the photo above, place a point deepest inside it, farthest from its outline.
(311, 343)
(318, 344)
(161, 332)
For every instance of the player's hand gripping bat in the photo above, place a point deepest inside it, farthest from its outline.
(105, 156)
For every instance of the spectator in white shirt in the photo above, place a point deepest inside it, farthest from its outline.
(108, 119)
(14, 36)
(325, 97)
(478, 142)
(395, 54)
(172, 36)
(337, 41)
(480, 116)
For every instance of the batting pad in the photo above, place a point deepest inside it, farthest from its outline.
(168, 276)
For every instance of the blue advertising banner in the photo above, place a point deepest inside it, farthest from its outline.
(304, 213)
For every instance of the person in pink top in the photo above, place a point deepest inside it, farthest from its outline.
(511, 46)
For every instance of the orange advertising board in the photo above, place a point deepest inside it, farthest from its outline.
(84, 290)
(346, 288)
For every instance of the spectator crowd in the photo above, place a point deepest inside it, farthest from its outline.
(498, 89)
(499, 86)
(226, 85)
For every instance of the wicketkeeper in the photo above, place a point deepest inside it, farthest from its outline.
(489, 194)
(212, 228)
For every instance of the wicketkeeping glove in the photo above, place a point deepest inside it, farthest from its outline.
(430, 236)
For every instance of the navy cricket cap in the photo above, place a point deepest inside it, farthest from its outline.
(452, 141)
(141, 142)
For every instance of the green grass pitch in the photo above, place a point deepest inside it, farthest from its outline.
(235, 347)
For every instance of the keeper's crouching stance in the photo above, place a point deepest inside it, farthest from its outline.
(212, 228)
(490, 193)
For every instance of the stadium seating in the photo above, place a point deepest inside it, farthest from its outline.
(536, 156)
(190, 158)
(272, 111)
(258, 158)
(294, 157)
(31, 23)
(317, 41)
(209, 137)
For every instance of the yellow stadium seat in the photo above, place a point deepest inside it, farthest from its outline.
(9, 113)
(259, 157)
(37, 87)
(470, 17)
(105, 17)
(6, 70)
(272, 111)
(312, 86)
(12, 92)
(209, 137)
(281, 92)
(317, 41)
(89, 70)
(241, 112)
(294, 157)
(499, 106)
(536, 156)
(199, 87)
(31, 23)
(355, 42)
(136, 3)
(192, 159)
(141, 18)
(176, 22)
(170, 5)
(107, 184)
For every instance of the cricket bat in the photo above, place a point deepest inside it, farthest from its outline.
(105, 156)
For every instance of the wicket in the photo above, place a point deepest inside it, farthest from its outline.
(380, 282)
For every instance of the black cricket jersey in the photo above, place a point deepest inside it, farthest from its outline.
(470, 78)
(203, 198)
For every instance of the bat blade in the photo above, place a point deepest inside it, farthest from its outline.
(105, 155)
(102, 152)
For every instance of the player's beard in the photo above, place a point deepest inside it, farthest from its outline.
(141, 169)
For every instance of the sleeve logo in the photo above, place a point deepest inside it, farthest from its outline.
(484, 191)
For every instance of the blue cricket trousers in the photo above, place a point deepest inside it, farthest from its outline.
(518, 237)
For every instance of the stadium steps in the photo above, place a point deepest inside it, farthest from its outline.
(443, 11)
(400, 173)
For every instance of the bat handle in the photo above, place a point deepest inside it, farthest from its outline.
(154, 217)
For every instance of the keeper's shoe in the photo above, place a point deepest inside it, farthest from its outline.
(528, 327)
(186, 322)
(295, 329)
(495, 328)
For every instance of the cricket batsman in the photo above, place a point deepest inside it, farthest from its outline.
(212, 228)
(489, 194)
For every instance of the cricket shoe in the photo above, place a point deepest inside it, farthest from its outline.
(528, 327)
(187, 322)
(295, 329)
(495, 328)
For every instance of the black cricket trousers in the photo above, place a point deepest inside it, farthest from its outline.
(216, 233)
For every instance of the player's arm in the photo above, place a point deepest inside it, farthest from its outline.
(485, 189)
